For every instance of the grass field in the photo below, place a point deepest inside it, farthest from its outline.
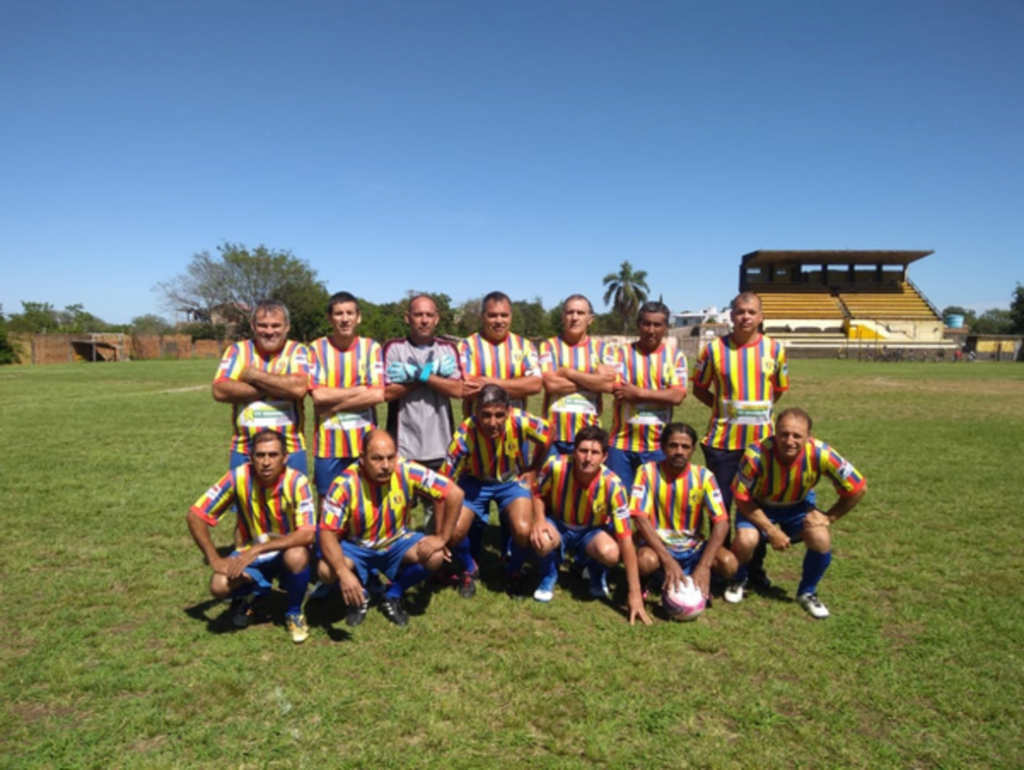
(112, 656)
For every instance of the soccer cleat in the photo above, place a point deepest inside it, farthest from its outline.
(546, 590)
(394, 610)
(734, 591)
(599, 584)
(467, 585)
(243, 611)
(813, 605)
(515, 585)
(297, 627)
(357, 614)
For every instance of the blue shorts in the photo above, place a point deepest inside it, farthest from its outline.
(327, 469)
(625, 464)
(575, 541)
(386, 562)
(264, 568)
(479, 495)
(789, 518)
(296, 460)
(687, 558)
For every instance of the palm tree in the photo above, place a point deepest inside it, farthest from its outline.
(627, 290)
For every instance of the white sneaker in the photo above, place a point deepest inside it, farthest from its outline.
(813, 605)
(734, 591)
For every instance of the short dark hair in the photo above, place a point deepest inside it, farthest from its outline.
(494, 296)
(340, 298)
(270, 306)
(593, 433)
(795, 411)
(491, 395)
(676, 427)
(653, 307)
(571, 297)
(264, 435)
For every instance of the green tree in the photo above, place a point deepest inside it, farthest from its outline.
(1017, 311)
(626, 291)
(149, 324)
(530, 319)
(224, 287)
(7, 352)
(35, 318)
(993, 321)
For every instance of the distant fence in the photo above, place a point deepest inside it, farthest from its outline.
(69, 348)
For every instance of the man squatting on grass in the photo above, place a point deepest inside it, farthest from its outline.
(670, 504)
(365, 527)
(584, 510)
(276, 526)
(772, 491)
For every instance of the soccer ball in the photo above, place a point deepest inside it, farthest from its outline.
(685, 604)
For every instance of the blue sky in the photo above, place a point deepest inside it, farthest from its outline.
(524, 146)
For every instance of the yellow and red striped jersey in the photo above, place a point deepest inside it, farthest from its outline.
(763, 479)
(510, 359)
(745, 379)
(570, 413)
(602, 503)
(341, 434)
(375, 515)
(280, 509)
(678, 506)
(637, 427)
(283, 415)
(504, 458)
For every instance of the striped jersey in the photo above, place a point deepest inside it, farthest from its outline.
(763, 479)
(678, 507)
(283, 415)
(510, 359)
(376, 515)
(744, 379)
(601, 504)
(340, 434)
(505, 458)
(280, 509)
(637, 427)
(570, 413)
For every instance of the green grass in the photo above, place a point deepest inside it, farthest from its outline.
(112, 656)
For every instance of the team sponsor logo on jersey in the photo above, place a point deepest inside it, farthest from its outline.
(300, 356)
(213, 492)
(305, 507)
(429, 479)
(638, 491)
(223, 368)
(845, 470)
(716, 496)
(744, 479)
(785, 370)
(622, 513)
(378, 369)
(547, 359)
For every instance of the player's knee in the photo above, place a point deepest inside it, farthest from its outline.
(606, 551)
(219, 586)
(325, 572)
(296, 559)
(744, 543)
(817, 539)
(647, 561)
(725, 563)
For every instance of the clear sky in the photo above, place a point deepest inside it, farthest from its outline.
(524, 146)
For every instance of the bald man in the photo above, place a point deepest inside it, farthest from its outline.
(365, 527)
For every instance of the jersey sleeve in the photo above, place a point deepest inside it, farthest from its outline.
(531, 362)
(536, 429)
(677, 374)
(336, 507)
(704, 372)
(375, 366)
(458, 450)
(747, 474)
(546, 358)
(780, 380)
(231, 364)
(216, 501)
(542, 484)
(846, 479)
(641, 499)
(317, 368)
(304, 506)
(619, 509)
(714, 505)
(428, 483)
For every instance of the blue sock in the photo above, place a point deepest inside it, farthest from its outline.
(476, 538)
(506, 536)
(295, 583)
(815, 565)
(741, 574)
(516, 559)
(462, 554)
(548, 564)
(409, 576)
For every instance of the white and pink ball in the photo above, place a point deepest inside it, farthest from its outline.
(687, 603)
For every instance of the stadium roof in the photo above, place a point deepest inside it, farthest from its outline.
(759, 258)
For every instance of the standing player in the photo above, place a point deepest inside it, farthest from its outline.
(584, 510)
(277, 524)
(347, 383)
(367, 507)
(772, 490)
(671, 502)
(488, 458)
(422, 376)
(650, 382)
(576, 370)
(740, 376)
(495, 356)
(265, 380)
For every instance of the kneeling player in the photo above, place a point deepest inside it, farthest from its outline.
(772, 488)
(488, 458)
(671, 501)
(276, 527)
(367, 507)
(585, 505)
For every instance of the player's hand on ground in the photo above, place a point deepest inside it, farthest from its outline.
(351, 589)
(446, 366)
(636, 609)
(779, 540)
(400, 373)
(816, 519)
(702, 579)
(673, 576)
